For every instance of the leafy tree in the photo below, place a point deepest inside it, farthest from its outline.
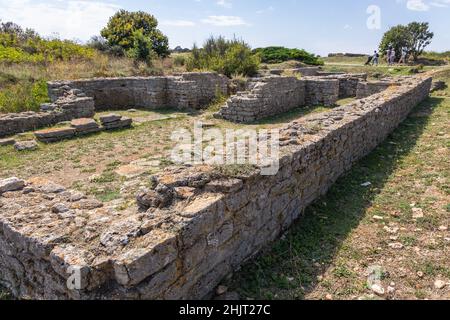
(124, 27)
(420, 37)
(142, 48)
(415, 37)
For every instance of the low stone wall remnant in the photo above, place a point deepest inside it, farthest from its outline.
(82, 98)
(265, 97)
(65, 108)
(194, 226)
(185, 91)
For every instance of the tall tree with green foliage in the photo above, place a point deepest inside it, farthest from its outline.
(126, 29)
(415, 37)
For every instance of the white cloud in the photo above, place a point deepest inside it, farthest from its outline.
(225, 21)
(178, 23)
(417, 5)
(440, 3)
(425, 5)
(269, 9)
(224, 3)
(73, 19)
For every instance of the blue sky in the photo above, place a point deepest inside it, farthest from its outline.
(320, 26)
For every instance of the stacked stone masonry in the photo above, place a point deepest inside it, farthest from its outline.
(366, 89)
(265, 97)
(274, 95)
(184, 91)
(195, 226)
(65, 108)
(82, 98)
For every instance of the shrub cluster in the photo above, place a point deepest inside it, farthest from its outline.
(282, 54)
(18, 45)
(228, 57)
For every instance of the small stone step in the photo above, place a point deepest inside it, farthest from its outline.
(124, 122)
(55, 134)
(7, 142)
(84, 124)
(110, 118)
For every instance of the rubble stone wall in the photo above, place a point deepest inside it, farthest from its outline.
(275, 95)
(321, 91)
(348, 83)
(365, 89)
(265, 97)
(61, 110)
(195, 225)
(187, 90)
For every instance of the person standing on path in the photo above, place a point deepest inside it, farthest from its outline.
(404, 56)
(388, 55)
(392, 59)
(375, 58)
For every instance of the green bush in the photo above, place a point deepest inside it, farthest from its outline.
(18, 45)
(179, 60)
(281, 54)
(229, 57)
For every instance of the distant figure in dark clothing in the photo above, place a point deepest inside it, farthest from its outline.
(369, 60)
(389, 55)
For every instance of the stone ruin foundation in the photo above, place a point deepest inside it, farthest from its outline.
(274, 95)
(194, 226)
(82, 98)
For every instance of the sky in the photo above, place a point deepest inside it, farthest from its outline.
(320, 26)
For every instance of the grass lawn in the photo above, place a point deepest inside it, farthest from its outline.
(328, 252)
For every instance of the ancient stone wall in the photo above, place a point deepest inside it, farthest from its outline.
(275, 95)
(195, 225)
(321, 91)
(348, 83)
(187, 90)
(81, 98)
(265, 97)
(63, 109)
(365, 89)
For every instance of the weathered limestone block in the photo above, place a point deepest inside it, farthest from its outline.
(7, 141)
(156, 250)
(11, 184)
(115, 121)
(26, 145)
(85, 126)
(55, 134)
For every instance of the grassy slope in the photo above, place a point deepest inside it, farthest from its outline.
(23, 85)
(327, 252)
